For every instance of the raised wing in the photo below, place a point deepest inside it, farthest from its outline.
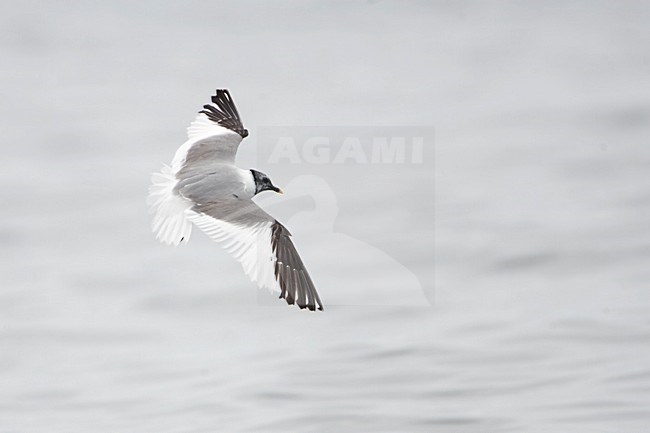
(262, 245)
(214, 135)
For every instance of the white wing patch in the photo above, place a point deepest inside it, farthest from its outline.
(203, 127)
(199, 129)
(169, 222)
(249, 245)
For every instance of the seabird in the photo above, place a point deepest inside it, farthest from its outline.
(204, 187)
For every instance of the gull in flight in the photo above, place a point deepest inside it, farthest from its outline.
(203, 187)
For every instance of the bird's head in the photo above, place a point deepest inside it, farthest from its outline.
(263, 183)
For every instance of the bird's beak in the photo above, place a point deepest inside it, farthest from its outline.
(279, 191)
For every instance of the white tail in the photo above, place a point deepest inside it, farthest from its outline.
(170, 224)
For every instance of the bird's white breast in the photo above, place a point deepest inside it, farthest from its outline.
(248, 181)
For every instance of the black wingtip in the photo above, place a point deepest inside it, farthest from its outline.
(223, 112)
(296, 286)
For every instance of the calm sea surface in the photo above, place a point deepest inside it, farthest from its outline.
(512, 296)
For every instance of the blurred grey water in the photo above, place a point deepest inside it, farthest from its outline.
(537, 271)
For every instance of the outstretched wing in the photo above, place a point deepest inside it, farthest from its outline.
(262, 245)
(214, 135)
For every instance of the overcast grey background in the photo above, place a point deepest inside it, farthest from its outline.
(533, 248)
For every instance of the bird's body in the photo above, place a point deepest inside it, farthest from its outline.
(203, 187)
(216, 182)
